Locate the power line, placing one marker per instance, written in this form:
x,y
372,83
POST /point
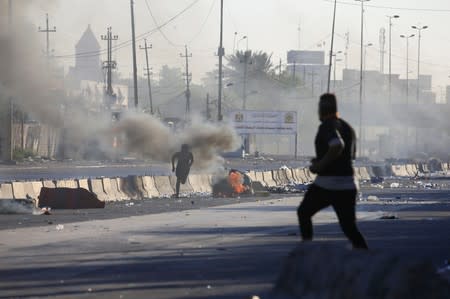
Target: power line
x,y
127,43
213,4
160,27
396,8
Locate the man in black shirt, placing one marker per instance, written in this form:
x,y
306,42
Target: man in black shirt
x,y
335,184
185,159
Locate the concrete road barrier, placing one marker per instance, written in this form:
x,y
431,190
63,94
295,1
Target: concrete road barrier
x,y
268,179
128,186
251,174
49,184
259,178
206,183
115,185
364,173
111,192
149,187
279,177
6,191
29,190
195,180
83,183
96,185
163,185
289,175
18,190
184,188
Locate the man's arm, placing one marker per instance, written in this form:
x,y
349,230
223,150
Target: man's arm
x,y
191,160
332,154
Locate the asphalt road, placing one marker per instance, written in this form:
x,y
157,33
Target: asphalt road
x,y
226,248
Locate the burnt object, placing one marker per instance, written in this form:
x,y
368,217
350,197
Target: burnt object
x,y
69,198
235,184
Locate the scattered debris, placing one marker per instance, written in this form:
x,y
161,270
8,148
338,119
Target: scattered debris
x,y
59,227
389,217
395,185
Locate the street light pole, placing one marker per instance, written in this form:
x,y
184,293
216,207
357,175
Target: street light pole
x,y
331,47
133,37
334,70
407,37
419,29
390,54
221,53
361,76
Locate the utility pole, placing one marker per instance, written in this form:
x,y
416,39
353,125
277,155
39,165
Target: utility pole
x,y
133,37
188,80
361,78
47,31
407,37
247,55
146,47
109,64
347,45
382,40
293,71
7,140
279,70
221,53
331,47
208,111
390,55
419,29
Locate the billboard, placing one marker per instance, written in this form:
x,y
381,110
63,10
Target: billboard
x,y
306,57
264,122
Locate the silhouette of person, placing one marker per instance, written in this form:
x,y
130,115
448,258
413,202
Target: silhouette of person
x,y
185,159
335,185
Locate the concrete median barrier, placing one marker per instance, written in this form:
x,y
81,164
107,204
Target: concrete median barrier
x,y
115,184
111,193
268,179
49,184
311,176
195,180
83,183
18,190
6,191
289,175
259,178
128,185
300,174
184,188
206,183
96,185
251,174
69,198
399,170
32,189
163,185
149,187
410,169
364,173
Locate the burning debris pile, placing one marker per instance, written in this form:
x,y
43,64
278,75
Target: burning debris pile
x,y
235,184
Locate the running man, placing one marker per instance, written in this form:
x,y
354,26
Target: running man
x,y
185,159
335,184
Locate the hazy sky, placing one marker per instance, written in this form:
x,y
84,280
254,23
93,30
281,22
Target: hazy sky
x,y
271,26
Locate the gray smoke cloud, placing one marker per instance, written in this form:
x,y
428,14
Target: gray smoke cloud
x,y
26,78
148,137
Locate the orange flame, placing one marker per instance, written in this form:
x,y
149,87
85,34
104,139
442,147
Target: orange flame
x,y
235,180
